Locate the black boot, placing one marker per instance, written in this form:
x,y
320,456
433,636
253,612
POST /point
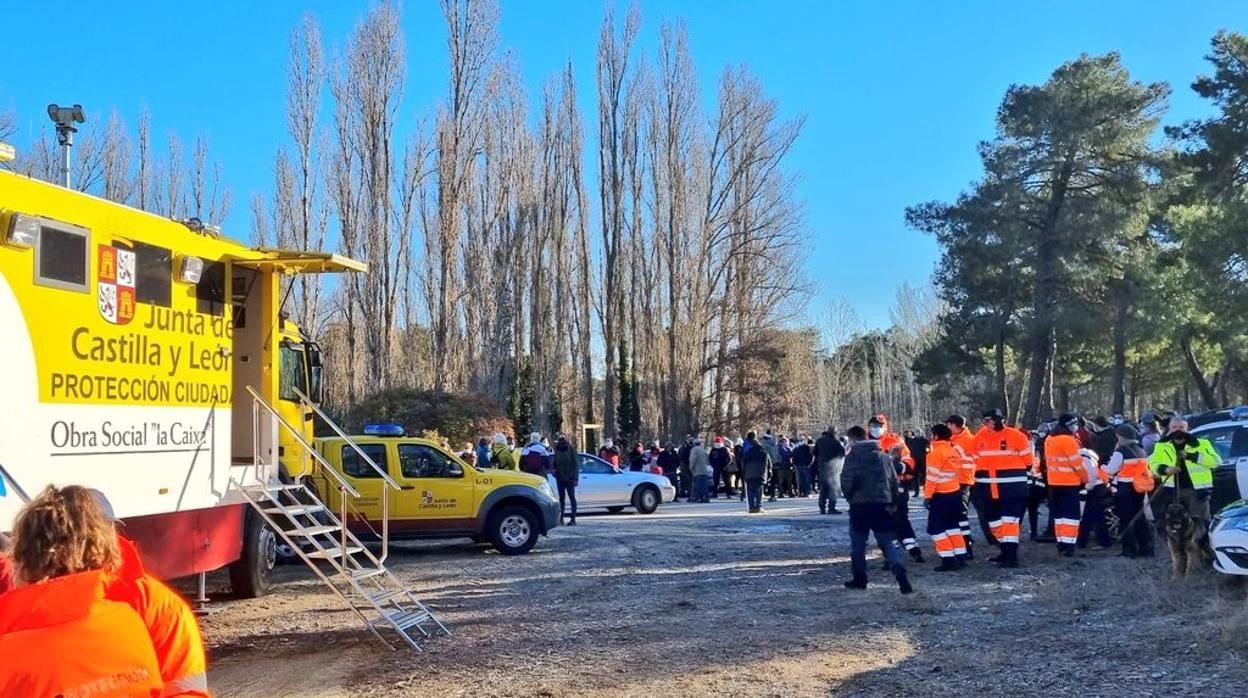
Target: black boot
x,y
948,564
970,552
916,554
903,584
856,584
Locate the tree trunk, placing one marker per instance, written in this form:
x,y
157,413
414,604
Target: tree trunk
x,y
1118,374
1003,396
1198,376
1044,320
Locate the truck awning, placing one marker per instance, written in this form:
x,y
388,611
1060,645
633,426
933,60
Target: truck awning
x,y
296,262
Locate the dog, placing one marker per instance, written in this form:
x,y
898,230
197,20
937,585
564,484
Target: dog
x,y
1188,538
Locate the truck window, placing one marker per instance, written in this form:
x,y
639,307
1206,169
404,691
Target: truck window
x,y
419,460
291,372
61,257
210,291
354,466
153,274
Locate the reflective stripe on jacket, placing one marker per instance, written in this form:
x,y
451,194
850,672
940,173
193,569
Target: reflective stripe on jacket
x,y
1063,461
965,441
944,469
1002,458
64,637
1200,458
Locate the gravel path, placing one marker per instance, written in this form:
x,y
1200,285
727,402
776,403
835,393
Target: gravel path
x,y
707,600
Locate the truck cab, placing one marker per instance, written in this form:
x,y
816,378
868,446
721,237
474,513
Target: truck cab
x,y
439,496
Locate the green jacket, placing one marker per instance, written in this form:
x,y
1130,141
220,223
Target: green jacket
x,y
506,459
1200,457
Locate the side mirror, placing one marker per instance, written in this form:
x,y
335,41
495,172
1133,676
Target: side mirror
x,y
316,372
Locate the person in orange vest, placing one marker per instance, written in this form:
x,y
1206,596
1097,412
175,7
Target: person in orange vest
x,y
895,447
60,632
1132,481
1067,476
964,441
170,624
1003,455
942,495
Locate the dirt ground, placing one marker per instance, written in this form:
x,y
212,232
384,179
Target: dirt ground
x,y
707,600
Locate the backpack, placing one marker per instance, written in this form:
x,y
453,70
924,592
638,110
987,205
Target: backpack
x,y
534,462
1144,482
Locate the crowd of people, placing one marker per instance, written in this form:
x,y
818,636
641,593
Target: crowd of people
x,y
1078,469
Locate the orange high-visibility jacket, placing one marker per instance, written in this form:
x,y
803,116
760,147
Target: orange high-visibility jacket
x,y
965,441
1001,458
170,623
887,441
63,637
944,469
1063,461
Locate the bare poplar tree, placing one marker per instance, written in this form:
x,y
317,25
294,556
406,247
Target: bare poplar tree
x,y
614,49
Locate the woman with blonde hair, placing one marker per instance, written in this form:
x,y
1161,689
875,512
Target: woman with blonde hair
x,y
59,632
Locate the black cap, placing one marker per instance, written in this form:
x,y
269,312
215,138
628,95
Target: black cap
x,y
1069,421
1127,432
994,414
956,419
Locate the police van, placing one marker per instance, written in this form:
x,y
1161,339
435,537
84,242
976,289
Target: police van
x,y
140,355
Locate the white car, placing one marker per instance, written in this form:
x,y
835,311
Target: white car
x,y
604,486
1228,532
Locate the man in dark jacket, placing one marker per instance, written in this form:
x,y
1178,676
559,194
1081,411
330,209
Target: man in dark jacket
x,y
755,463
869,482
830,456
720,457
803,456
918,445
567,475
669,461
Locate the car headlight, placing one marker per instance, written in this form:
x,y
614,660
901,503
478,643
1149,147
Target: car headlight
x,y
547,490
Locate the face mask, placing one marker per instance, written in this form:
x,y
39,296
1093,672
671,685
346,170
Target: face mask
x,y
876,431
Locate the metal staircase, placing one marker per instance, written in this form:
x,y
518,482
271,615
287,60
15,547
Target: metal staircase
x,y
322,540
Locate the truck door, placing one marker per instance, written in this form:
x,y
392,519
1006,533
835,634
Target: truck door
x,y
363,478
436,490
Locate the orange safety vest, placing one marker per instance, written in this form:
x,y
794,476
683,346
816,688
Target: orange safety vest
x,y
1062,459
1001,458
170,623
887,441
965,441
944,469
1135,473
64,637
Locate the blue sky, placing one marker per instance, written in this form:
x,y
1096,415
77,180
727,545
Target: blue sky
x,y
896,94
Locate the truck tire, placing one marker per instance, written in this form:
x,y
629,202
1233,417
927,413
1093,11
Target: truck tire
x,y
251,574
513,530
646,498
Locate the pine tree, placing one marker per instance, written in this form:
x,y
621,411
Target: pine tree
x,y
628,410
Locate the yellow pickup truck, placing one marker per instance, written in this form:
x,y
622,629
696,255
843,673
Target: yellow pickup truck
x,y
440,496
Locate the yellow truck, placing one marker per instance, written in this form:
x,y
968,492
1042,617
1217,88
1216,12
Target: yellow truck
x,y
142,356
440,495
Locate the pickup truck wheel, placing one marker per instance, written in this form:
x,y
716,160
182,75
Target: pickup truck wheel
x,y
251,574
513,530
646,498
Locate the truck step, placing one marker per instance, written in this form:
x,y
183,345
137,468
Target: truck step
x,y
310,531
297,509
367,573
383,596
405,619
334,553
